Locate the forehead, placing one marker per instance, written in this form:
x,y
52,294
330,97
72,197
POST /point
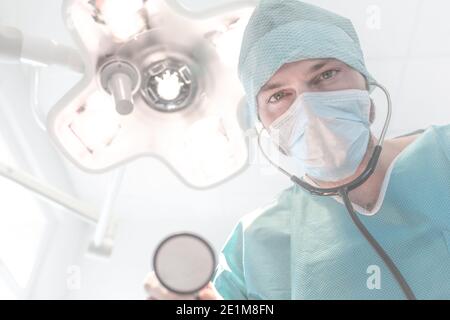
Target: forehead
x,y
303,68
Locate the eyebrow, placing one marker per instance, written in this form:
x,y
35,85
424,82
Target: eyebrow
x,y
271,86
312,69
318,66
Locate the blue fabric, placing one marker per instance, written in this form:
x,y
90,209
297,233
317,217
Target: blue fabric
x,y
326,133
306,247
283,31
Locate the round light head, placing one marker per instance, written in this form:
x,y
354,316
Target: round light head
x,y
169,85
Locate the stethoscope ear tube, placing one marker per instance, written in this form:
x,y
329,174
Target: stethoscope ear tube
x,y
376,246
369,169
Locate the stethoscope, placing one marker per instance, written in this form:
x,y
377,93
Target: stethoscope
x,y
184,263
344,189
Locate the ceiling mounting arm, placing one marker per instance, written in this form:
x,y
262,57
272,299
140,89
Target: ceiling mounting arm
x,y
16,47
82,210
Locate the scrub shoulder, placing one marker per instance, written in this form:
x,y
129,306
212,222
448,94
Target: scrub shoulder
x,y
253,235
443,133
263,235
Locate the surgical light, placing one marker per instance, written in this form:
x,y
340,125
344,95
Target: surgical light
x,y
161,89
169,85
96,124
123,18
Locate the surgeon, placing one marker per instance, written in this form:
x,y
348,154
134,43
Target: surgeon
x,y
306,82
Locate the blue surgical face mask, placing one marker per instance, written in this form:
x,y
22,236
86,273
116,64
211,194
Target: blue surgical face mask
x,y
328,132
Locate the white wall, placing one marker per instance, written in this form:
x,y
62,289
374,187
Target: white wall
x,y
409,54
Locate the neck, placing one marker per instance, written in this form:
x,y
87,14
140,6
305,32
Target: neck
x,y
367,194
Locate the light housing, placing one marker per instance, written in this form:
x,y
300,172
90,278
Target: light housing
x,y
184,110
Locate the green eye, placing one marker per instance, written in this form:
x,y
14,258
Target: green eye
x,y
277,97
328,74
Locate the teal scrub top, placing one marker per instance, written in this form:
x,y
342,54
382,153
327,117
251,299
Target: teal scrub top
x,y
303,246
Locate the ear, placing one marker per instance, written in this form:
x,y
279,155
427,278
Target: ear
x,y
372,112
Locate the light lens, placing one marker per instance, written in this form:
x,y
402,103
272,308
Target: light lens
x,y
97,123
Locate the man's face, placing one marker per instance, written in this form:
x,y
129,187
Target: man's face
x,y
314,75
295,78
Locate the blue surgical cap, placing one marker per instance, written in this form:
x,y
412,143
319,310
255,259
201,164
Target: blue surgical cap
x,y
283,31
